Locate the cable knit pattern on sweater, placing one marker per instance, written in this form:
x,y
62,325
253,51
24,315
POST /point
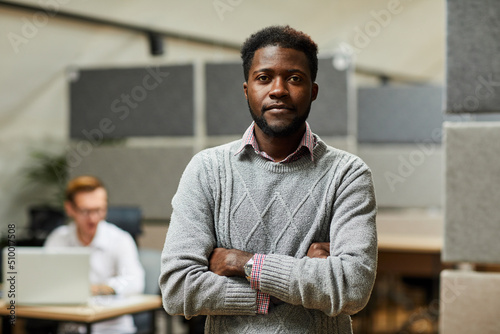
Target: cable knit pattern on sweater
x,y
246,202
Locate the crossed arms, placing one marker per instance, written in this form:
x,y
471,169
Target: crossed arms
x,y
230,262
203,261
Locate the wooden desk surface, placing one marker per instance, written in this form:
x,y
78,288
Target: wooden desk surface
x,y
409,243
90,313
410,230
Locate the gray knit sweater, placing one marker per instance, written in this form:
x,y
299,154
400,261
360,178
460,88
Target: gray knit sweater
x,y
246,202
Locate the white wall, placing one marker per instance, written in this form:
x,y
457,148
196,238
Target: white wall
x,y
397,37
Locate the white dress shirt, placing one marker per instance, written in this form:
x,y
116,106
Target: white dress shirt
x,y
114,261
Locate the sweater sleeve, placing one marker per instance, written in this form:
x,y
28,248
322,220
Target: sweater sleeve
x,y
341,283
188,287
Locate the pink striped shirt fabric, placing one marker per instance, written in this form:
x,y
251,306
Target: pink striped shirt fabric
x,y
262,298
305,147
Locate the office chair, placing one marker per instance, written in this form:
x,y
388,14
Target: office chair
x,y
128,218
150,260
42,221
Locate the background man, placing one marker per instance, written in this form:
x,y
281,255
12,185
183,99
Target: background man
x,y
274,232
114,261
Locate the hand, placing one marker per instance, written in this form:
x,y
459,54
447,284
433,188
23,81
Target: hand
x,y
101,289
319,250
228,262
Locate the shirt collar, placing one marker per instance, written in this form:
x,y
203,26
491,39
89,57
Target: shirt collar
x,y
99,240
305,147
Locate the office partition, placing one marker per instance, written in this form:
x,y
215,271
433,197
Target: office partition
x,y
110,103
472,63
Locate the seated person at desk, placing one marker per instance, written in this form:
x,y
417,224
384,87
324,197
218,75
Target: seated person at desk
x,y
114,262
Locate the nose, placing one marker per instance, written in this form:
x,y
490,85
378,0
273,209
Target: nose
x,y
278,89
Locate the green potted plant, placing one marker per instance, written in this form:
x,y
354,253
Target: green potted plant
x,y
49,172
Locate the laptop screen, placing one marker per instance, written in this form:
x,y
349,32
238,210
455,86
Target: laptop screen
x,y
46,276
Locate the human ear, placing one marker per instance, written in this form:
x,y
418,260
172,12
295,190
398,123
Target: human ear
x,y
245,89
68,207
314,91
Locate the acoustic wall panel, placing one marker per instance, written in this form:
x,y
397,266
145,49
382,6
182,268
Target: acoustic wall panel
x,y
405,176
146,101
472,210
330,112
473,65
227,109
469,302
143,176
399,114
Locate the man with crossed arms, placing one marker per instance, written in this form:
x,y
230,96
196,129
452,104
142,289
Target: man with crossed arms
x,y
274,232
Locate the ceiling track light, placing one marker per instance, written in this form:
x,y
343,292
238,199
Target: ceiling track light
x,y
155,43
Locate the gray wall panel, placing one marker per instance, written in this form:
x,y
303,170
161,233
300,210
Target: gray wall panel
x,y
399,114
226,106
469,302
329,113
473,65
147,101
472,210
147,177
405,175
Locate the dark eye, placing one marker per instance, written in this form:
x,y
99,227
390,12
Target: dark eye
x,y
295,78
263,78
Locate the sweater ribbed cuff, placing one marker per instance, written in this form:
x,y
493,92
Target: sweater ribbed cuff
x,y
241,299
275,275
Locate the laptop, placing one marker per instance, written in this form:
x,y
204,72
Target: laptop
x,y
46,276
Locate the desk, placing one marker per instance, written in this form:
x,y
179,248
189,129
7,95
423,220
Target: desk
x,y
83,314
415,230
410,242
409,247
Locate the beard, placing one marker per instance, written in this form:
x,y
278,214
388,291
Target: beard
x,y
279,131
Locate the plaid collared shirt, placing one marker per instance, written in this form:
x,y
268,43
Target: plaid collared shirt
x,y
305,147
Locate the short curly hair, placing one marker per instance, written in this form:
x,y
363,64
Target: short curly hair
x,y
282,36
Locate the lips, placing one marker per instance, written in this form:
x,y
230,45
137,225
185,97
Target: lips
x,y
277,107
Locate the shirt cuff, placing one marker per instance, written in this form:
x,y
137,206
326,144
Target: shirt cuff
x,y
258,261
263,299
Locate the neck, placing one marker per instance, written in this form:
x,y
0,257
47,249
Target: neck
x,y
85,239
278,148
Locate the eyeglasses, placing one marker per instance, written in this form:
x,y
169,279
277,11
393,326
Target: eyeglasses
x,y
89,212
